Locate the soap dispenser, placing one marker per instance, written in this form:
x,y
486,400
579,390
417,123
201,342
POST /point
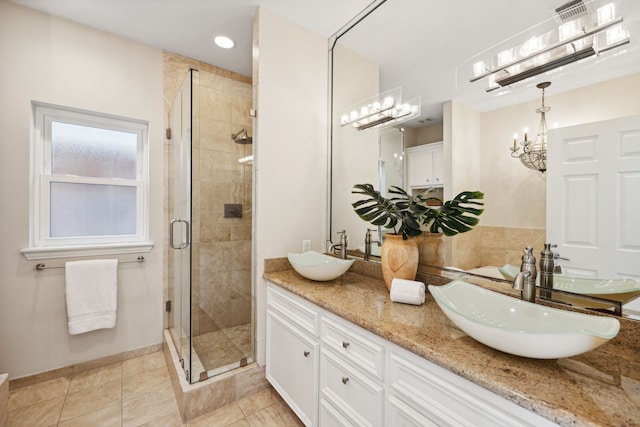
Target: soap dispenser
x,y
529,265
547,266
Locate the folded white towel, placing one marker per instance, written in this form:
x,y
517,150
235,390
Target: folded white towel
x,y
407,291
92,294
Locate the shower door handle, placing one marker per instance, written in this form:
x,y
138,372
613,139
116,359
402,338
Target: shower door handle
x,y
182,245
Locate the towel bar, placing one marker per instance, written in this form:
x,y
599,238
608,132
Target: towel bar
x,y
41,266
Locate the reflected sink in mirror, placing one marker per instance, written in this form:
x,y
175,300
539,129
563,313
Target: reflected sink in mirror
x,y
320,267
520,327
582,286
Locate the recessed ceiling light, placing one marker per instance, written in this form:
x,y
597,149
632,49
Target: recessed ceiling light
x,y
224,42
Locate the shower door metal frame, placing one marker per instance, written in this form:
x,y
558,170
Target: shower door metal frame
x,y
181,125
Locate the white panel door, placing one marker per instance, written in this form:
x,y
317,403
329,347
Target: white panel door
x,y
593,197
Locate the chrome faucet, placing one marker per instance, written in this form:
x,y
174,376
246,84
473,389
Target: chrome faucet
x,y
525,280
557,268
341,248
547,266
523,285
367,244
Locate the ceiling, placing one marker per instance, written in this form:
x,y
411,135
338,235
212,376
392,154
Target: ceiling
x,y
423,46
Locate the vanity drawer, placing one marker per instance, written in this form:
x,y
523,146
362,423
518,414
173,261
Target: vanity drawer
x,y
353,393
354,346
295,312
430,395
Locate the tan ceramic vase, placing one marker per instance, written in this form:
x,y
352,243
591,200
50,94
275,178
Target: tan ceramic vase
x,y
399,258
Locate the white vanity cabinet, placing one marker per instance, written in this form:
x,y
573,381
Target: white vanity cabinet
x,y
424,165
352,377
293,353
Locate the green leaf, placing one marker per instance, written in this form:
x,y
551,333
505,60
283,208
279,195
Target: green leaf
x,y
406,214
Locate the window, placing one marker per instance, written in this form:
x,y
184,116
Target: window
x,y
89,183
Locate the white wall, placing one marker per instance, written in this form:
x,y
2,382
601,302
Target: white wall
x,y
518,192
355,153
290,139
55,61
465,151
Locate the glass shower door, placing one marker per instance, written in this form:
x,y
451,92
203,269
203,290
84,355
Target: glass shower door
x,y
180,222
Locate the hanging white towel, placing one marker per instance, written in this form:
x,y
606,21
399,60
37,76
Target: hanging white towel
x,y
92,294
407,291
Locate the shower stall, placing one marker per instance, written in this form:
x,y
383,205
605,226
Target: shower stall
x,y
209,200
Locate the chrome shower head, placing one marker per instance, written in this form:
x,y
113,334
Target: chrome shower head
x,y
242,137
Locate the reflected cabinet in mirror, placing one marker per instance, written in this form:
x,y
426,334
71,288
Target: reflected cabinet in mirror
x,y
586,201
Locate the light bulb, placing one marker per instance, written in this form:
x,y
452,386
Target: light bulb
x,y
606,13
388,102
568,30
615,34
478,68
505,57
534,44
224,42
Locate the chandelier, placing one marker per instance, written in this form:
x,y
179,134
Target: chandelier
x,y
534,153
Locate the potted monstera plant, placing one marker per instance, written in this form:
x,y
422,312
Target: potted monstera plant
x,y
406,215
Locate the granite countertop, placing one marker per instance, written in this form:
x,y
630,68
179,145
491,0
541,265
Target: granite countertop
x,y
597,388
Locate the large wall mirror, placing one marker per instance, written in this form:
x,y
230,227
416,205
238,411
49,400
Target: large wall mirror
x,y
430,51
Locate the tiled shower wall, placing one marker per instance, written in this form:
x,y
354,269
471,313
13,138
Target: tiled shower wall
x,y
221,247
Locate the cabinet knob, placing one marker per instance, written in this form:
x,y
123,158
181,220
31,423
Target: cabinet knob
x,y
345,380
427,179
437,179
306,354
345,344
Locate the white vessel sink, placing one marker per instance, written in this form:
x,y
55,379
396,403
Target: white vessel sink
x,y
581,285
520,327
595,286
509,271
316,266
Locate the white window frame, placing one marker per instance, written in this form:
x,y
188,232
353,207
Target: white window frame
x,y
42,245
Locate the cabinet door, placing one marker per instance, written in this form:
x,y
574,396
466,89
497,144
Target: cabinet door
x,y
292,366
419,164
437,162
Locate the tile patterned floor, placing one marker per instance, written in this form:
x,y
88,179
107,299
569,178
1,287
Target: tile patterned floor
x,y
223,347
135,392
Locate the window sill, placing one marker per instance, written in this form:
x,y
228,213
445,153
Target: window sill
x,y
32,254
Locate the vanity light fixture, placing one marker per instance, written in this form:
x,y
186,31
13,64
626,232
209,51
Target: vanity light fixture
x,y
224,42
382,110
534,153
582,32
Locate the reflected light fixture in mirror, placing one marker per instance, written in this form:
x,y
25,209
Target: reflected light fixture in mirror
x,y
534,153
580,30
382,110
